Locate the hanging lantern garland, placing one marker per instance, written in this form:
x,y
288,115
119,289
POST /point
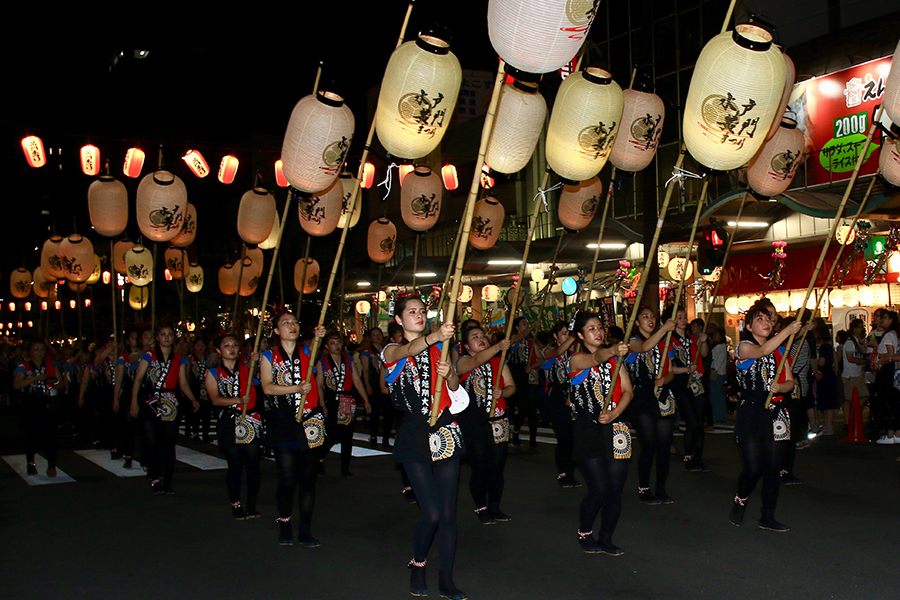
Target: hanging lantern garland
x,y
624,275
776,277
860,241
891,243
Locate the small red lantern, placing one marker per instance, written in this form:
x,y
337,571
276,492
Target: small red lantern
x,y
134,162
30,324
12,306
196,163
72,304
451,179
487,181
280,179
90,160
28,306
368,176
34,151
44,305
168,275
107,277
57,305
87,302
228,168
404,170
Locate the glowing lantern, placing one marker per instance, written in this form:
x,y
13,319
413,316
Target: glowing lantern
x,y
77,257
134,162
311,283
889,161
569,286
662,259
731,306
363,307
404,171
34,151
465,294
790,73
774,166
892,90
51,258
30,324
348,182
188,232
381,240
161,203
486,223
734,96
90,160
138,297
174,258
319,215
139,265
12,306
539,37
256,259
894,262
450,177
837,298
20,283
96,272
584,124
43,288
744,303
537,275
418,96
714,276
680,265
28,307
487,182
881,295
120,250
272,238
196,163
517,127
249,278
316,141
420,199
642,123
368,176
490,293
228,280
194,282
866,296
44,306
578,203
107,277
57,305
228,168
72,304
108,206
279,174
255,215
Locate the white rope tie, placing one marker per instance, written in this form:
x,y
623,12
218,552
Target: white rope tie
x,y
387,181
543,194
679,175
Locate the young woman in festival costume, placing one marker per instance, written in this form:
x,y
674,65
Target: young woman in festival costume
x,y
136,343
295,425
429,454
238,437
96,395
36,377
762,433
557,407
523,404
195,365
336,379
653,408
686,353
486,435
153,402
602,444
373,377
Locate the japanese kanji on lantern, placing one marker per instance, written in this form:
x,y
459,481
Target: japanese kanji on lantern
x,y
120,249
139,265
418,95
310,283
578,203
174,258
642,123
889,161
486,223
521,112
255,215
20,283
773,168
108,206
348,182
382,240
319,214
77,257
420,199
194,281
51,258
161,202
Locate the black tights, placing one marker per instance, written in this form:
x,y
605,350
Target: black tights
x,y
655,435
527,408
435,486
762,457
158,448
799,431
41,424
240,457
605,478
381,406
691,408
562,428
296,466
487,462
339,434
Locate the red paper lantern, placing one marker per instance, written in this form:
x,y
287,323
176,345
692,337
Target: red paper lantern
x,y
28,307
134,162
107,277
43,306
319,215
450,177
196,163
368,176
404,171
382,240
487,182
90,159
280,179
578,203
87,302
33,148
486,223
228,168
72,304
57,305
420,199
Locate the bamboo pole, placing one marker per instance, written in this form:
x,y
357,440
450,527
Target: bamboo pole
x,y
552,277
456,242
609,200
837,217
416,260
153,310
467,224
237,296
303,276
715,293
112,284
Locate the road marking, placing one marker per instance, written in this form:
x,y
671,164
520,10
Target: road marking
x,y
102,460
19,465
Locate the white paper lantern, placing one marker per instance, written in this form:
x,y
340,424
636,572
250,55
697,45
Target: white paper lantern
x,y
731,306
539,37
518,123
584,124
319,214
734,97
120,249
891,96
662,259
465,294
229,279
43,287
490,293
418,96
744,303
188,232
77,257
889,161
194,282
309,280
108,206
161,202
255,215
249,277
796,300
139,265
866,296
774,166
790,73
578,203
272,240
96,272
680,265
20,283
642,123
138,297
316,141
420,199
51,258
363,307
382,240
348,181
836,298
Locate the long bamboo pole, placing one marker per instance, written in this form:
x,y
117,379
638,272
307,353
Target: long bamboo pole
x,y
467,224
456,242
237,297
728,246
112,284
837,217
303,275
153,310
354,194
609,200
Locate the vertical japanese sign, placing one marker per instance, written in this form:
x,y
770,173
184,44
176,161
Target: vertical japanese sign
x,y
834,112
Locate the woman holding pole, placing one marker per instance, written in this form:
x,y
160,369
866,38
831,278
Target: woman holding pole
x,y
557,408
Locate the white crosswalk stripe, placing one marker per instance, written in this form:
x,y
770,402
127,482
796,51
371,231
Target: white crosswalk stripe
x,y
101,459
20,466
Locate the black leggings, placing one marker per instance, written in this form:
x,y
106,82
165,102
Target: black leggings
x,y
158,448
762,457
605,478
562,428
240,457
435,486
381,406
655,435
487,462
198,422
41,424
296,466
527,408
339,434
691,409
799,431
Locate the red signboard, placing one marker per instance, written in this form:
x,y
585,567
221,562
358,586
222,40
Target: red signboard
x,y
835,112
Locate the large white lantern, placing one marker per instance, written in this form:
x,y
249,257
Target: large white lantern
x,y
774,166
642,123
194,281
348,182
108,206
578,203
319,214
255,215
889,161
518,123
272,240
734,97
20,283
790,73
539,37
139,265
891,97
316,141
418,95
188,231
161,202
584,124
77,257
